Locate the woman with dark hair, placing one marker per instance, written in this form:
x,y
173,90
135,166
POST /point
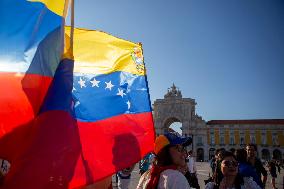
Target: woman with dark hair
x,y
167,171
231,179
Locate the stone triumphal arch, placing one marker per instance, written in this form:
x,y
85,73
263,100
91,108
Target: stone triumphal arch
x,y
174,108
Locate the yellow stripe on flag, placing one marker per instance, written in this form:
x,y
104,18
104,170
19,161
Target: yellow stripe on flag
x,y
100,53
56,6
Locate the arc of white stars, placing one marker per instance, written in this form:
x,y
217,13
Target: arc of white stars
x,y
95,83
128,104
109,85
82,83
120,93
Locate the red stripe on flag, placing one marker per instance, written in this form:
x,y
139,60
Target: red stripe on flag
x,y
111,145
21,96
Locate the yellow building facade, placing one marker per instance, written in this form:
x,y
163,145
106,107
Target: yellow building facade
x,y
267,134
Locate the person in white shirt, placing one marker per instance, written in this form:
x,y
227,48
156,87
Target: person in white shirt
x,y
124,177
165,172
191,174
191,163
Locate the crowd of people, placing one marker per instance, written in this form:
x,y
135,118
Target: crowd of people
x,y
171,166
241,168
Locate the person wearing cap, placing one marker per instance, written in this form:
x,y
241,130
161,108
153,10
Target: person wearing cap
x,y
170,158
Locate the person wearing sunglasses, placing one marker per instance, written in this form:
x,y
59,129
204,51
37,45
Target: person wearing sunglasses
x,y
231,178
167,171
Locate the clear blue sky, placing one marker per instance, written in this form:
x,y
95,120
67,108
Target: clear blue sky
x,y
226,54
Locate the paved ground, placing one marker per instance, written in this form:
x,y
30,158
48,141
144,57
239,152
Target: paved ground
x,y
203,173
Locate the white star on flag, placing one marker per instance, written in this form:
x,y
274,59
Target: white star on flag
x,y
95,83
128,104
120,93
109,85
73,89
77,104
82,83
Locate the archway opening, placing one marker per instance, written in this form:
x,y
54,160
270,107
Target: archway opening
x,y
176,126
173,124
277,154
265,154
200,155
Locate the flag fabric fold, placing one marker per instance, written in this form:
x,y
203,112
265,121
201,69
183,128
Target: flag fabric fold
x,y
30,51
31,47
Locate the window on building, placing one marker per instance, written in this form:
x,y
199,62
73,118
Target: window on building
x,y
263,137
222,136
232,140
212,140
274,139
199,140
212,137
242,140
232,137
252,139
222,140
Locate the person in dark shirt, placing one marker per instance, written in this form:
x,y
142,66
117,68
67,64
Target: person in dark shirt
x,y
245,169
256,163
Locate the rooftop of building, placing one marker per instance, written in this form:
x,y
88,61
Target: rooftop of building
x,y
248,121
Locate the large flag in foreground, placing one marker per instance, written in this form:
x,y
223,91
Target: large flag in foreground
x,y
68,124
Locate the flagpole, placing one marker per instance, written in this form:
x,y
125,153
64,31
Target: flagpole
x,y
66,5
72,27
